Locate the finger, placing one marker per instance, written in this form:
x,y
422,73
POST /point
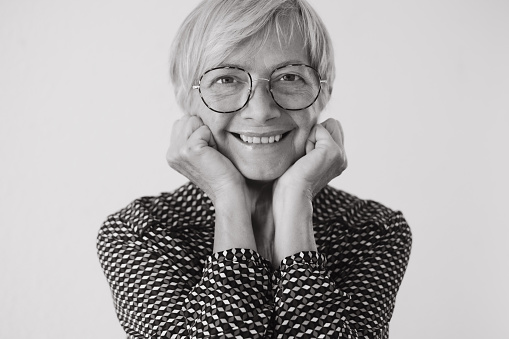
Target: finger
x,y
335,130
178,126
192,124
176,143
182,129
175,136
323,137
310,142
335,150
202,137
318,137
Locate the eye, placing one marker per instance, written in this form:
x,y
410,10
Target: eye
x,y
225,80
289,77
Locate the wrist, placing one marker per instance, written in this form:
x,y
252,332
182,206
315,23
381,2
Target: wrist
x,y
294,207
285,192
224,193
231,202
233,228
293,218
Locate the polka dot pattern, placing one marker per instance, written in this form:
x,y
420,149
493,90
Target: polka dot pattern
x,y
166,283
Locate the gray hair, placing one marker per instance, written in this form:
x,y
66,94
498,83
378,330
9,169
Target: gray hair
x,y
215,27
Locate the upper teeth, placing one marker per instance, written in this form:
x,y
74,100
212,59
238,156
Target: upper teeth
x,y
261,140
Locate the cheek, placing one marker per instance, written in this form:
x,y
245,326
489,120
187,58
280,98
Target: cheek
x,y
217,125
214,121
211,119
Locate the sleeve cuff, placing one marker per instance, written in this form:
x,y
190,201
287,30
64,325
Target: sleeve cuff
x,y
238,255
311,259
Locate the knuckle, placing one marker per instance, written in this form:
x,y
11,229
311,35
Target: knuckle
x,y
200,129
184,152
193,149
194,121
179,122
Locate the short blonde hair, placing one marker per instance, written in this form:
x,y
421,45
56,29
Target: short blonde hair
x,y
215,27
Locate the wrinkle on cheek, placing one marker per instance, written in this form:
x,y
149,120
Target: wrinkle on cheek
x,y
225,148
222,137
306,120
215,122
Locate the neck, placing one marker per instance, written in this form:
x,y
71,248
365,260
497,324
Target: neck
x,y
260,197
259,192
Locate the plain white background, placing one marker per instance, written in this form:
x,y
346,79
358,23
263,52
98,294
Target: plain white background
x,y
86,109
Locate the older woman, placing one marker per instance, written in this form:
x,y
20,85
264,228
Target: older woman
x,y
256,245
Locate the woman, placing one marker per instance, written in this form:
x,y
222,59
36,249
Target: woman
x,y
257,245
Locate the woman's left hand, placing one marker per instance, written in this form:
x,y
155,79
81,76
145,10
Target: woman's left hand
x,y
293,192
325,159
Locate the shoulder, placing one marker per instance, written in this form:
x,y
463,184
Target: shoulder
x,y
334,206
187,206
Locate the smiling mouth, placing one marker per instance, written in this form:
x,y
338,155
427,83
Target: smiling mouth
x,y
261,140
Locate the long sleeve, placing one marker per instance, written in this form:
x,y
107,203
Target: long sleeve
x,y
312,301
307,302
147,286
374,271
166,284
165,281
233,298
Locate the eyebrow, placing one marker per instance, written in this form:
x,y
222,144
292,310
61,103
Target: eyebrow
x,y
284,63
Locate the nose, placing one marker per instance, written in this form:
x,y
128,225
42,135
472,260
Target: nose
x,y
261,107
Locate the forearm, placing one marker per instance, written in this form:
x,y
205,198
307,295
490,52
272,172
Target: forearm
x,y
233,228
293,212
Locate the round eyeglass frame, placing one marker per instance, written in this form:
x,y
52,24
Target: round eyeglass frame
x,y
198,87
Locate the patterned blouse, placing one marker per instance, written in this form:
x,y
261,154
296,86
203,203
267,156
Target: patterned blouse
x,y
166,283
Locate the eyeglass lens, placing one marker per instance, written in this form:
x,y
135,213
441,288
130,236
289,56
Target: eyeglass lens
x,y
227,89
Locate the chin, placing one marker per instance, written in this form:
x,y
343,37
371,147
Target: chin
x,y
261,173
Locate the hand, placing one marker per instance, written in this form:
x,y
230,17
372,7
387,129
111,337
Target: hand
x,y
325,159
193,153
293,192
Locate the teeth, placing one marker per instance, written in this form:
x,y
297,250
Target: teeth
x,y
261,140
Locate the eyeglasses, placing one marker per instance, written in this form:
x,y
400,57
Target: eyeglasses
x,y
228,89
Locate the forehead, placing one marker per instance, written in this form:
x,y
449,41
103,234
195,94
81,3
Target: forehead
x,y
262,54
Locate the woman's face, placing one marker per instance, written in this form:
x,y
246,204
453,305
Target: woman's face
x,y
262,117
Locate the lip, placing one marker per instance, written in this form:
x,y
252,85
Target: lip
x,y
286,136
261,134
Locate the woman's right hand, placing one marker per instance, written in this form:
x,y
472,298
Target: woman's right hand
x,y
193,153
